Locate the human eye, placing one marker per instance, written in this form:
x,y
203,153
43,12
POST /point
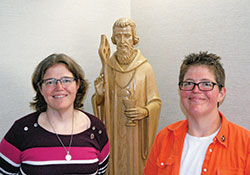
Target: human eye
x,y
206,84
187,84
67,80
49,82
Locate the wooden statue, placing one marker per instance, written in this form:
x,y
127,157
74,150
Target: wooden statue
x,y
126,100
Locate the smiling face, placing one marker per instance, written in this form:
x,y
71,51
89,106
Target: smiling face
x,y
59,97
201,103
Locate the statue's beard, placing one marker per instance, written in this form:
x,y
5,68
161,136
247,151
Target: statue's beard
x,y
125,54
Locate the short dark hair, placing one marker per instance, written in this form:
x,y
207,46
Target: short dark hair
x,y
38,103
204,58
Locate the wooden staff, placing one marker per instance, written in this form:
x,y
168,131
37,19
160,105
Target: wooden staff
x,y
104,53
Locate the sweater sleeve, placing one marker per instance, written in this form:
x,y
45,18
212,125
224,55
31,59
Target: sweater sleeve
x,y
104,150
10,154
103,159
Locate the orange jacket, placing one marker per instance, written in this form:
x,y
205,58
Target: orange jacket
x,y
228,154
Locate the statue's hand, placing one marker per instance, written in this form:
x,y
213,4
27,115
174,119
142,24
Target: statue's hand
x,y
99,89
137,113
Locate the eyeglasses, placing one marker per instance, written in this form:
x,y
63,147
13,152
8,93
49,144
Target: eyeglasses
x,y
203,86
52,82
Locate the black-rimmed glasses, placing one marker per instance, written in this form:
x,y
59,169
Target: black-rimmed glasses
x,y
203,86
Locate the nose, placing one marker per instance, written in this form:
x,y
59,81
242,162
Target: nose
x,y
196,88
59,84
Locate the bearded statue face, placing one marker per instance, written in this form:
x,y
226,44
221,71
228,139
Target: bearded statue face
x,y
124,44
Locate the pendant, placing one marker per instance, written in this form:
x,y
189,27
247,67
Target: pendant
x,y
68,156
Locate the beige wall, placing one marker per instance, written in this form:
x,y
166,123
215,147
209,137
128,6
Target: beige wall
x,y
30,30
168,30
171,29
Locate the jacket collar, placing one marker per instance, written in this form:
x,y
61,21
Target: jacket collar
x,y
222,136
179,130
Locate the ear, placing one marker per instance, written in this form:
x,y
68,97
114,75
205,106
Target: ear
x,y
222,94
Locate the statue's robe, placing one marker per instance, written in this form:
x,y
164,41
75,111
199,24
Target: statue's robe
x,y
131,145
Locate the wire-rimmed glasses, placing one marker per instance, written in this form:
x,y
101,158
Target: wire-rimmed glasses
x,y
52,82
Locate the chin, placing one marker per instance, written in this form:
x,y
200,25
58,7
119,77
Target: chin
x,y
196,112
62,107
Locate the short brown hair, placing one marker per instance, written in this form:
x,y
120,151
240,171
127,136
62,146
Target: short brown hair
x,y
38,102
212,61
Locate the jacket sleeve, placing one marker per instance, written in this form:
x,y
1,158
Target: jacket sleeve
x,y
247,170
151,165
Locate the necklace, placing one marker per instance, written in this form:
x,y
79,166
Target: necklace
x,y
68,157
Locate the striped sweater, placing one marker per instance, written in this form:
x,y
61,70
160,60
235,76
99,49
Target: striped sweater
x,y
29,149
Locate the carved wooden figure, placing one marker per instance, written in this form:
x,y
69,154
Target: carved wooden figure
x,y
126,100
